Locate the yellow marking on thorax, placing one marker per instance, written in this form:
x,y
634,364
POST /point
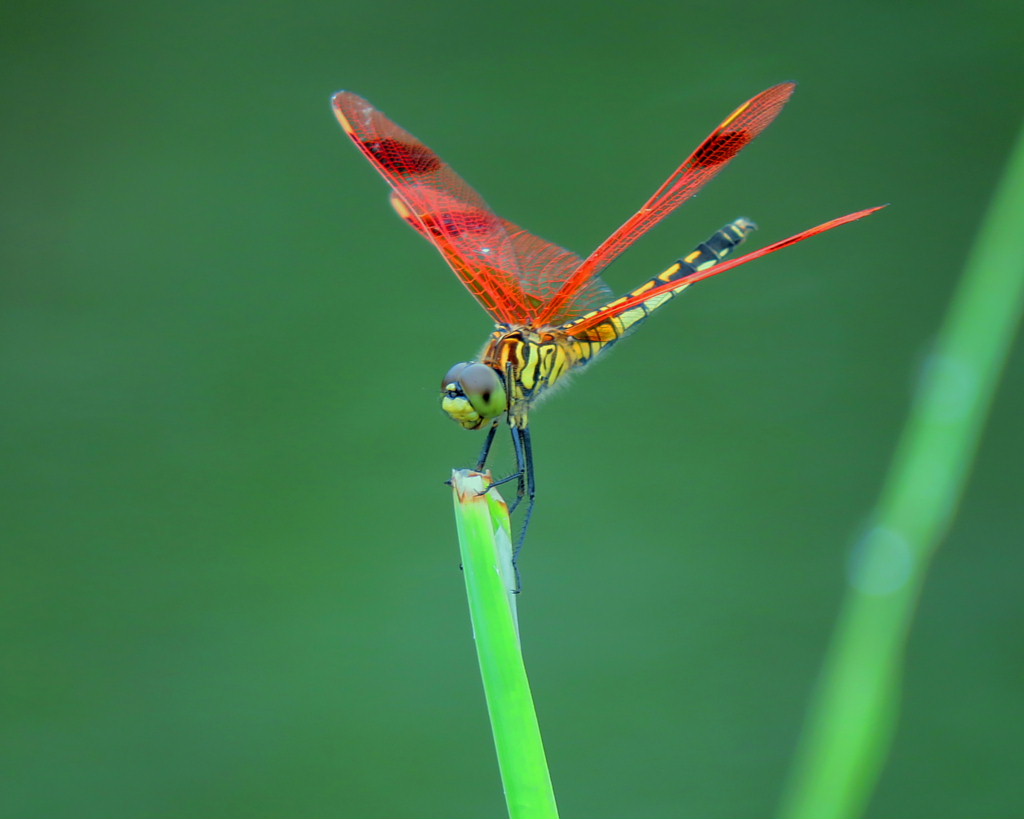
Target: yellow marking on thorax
x,y
536,360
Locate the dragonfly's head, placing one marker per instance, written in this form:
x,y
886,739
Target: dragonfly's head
x,y
472,394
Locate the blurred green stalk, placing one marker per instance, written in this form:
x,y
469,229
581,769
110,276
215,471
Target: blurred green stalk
x,y
853,715
485,544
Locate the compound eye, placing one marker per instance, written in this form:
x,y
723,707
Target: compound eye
x,y
452,376
484,389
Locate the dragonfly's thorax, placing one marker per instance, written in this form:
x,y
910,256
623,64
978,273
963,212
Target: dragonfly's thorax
x,y
530,361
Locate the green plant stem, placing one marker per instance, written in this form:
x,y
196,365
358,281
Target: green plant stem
x,y
485,544
852,718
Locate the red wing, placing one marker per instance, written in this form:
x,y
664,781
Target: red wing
x,y
543,266
713,154
442,207
679,284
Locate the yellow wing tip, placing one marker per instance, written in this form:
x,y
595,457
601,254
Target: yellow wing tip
x,y
337,101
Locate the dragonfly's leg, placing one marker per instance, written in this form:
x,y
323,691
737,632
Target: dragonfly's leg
x,y
531,491
487,446
526,448
517,443
482,460
519,475
524,489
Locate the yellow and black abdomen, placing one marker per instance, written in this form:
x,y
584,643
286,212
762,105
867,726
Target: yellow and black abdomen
x,y
598,337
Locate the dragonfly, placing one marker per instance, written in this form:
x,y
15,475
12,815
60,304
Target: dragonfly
x,y
553,313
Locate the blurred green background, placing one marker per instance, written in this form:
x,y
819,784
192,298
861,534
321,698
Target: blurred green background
x,y
220,357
